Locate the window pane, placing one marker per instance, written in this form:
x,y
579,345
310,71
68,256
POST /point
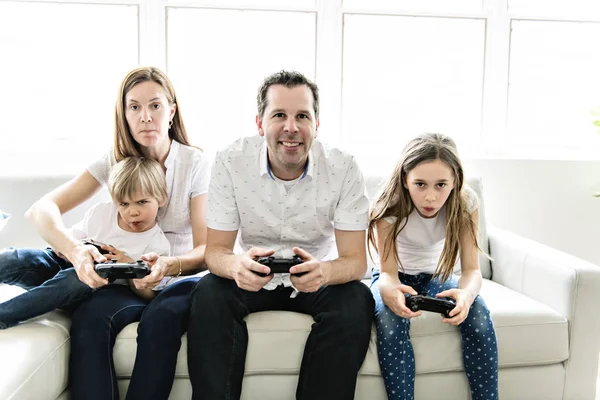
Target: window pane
x,y
590,8
63,64
554,82
252,3
404,76
417,5
218,58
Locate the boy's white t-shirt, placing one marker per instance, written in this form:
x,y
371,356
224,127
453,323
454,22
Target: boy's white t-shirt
x,y
421,241
101,223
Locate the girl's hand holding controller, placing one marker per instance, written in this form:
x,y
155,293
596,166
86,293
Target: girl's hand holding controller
x,y
393,296
464,299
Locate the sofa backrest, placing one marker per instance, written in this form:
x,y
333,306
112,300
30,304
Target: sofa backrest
x,y
374,185
17,194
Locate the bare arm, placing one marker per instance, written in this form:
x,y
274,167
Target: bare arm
x,y
222,262
391,289
45,214
191,262
389,266
470,281
350,265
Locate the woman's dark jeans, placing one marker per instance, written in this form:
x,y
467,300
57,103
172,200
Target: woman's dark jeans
x,y
96,324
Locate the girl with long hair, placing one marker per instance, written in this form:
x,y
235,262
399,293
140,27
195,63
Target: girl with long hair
x,y
425,219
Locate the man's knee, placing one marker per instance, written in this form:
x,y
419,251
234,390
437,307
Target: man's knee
x,y
212,288
355,305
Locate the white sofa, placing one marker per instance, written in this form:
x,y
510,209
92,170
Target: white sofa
x,y
543,303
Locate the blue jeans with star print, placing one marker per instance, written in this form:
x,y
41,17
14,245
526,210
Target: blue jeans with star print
x,y
396,357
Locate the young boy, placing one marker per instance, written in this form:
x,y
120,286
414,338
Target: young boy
x,y
127,225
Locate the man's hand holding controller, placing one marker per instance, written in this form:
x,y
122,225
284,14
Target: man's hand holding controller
x,y
244,269
311,275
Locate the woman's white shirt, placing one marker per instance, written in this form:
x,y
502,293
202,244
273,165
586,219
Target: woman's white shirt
x,y
187,176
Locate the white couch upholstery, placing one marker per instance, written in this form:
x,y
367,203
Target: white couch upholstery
x,y
543,303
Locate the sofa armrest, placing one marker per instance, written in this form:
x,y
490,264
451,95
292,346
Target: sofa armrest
x,y
565,283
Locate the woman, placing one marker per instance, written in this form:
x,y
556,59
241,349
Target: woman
x,y
148,123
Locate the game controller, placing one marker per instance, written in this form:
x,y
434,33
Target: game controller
x,y
420,302
280,265
96,244
112,270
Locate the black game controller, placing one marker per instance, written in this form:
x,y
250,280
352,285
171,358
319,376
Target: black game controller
x,y
97,245
420,302
115,270
280,265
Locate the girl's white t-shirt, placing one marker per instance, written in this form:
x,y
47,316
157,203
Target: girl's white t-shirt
x,y
421,242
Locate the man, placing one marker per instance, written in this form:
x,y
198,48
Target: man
x,y
285,194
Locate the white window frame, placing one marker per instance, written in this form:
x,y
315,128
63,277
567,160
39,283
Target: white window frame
x,y
330,14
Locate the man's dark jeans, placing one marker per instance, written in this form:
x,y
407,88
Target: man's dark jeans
x,y
333,354
50,280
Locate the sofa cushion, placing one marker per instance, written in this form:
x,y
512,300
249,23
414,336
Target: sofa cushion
x,y
529,333
35,354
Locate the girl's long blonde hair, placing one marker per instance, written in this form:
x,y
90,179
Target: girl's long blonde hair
x,y
124,144
395,200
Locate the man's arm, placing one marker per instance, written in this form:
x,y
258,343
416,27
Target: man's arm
x,y
222,262
351,264
219,252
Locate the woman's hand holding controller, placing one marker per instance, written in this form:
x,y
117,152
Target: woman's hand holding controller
x,y
83,257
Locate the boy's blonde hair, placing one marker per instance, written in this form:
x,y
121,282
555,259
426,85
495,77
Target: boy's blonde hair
x,y
395,200
134,175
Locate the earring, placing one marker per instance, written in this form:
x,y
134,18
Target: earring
x,y
170,123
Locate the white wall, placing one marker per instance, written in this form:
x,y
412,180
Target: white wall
x,y
548,201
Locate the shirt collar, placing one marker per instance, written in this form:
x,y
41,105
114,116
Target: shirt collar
x,y
265,167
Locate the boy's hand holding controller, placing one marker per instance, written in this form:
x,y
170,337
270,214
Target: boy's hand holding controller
x,y
464,299
244,267
393,295
315,273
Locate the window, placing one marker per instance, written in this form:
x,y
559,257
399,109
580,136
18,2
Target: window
x,y
508,78
61,70
218,58
406,75
554,82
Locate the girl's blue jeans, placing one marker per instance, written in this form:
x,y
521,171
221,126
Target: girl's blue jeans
x,y
394,347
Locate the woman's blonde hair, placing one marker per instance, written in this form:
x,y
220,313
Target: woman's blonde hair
x,y
395,200
124,143
134,175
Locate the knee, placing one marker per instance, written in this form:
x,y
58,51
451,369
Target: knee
x,y
213,294
479,321
390,325
72,282
356,306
